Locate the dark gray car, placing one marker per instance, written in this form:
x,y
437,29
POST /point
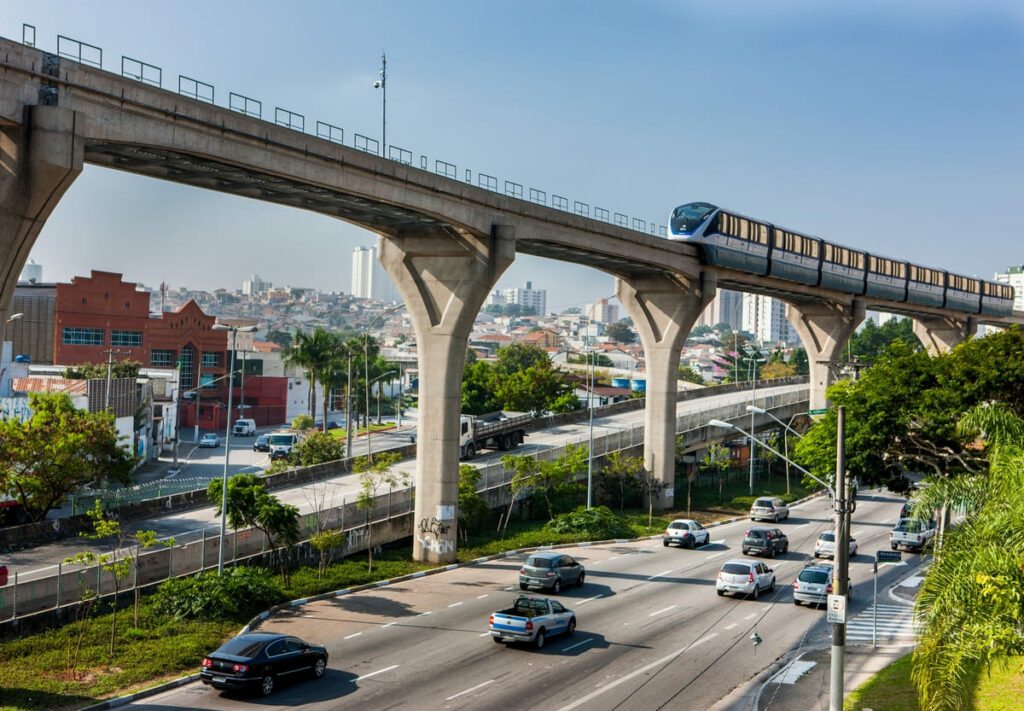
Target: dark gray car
x,y
550,570
762,540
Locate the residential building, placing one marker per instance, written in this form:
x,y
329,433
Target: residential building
x,y
369,278
603,311
536,299
726,307
765,318
255,286
1014,276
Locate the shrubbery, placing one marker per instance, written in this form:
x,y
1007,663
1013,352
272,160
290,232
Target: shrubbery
x,y
599,523
209,596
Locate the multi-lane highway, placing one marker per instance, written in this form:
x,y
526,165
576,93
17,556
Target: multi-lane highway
x,y
652,632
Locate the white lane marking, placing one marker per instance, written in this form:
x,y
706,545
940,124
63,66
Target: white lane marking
x,y
481,597
729,627
379,671
660,575
751,616
455,604
802,525
469,691
642,670
424,614
353,635
581,602
588,640
718,540
508,588
486,634
670,607
719,554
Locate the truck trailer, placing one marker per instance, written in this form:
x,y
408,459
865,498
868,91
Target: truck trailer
x,y
495,430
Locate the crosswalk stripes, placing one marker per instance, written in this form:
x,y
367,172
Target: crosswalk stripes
x,y
895,625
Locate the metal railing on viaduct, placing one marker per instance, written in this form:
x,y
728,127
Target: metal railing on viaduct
x,y
51,592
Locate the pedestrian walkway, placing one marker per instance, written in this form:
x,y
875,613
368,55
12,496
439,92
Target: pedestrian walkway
x,y
894,625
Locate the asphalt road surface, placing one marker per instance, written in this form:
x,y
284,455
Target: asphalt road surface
x,y
652,632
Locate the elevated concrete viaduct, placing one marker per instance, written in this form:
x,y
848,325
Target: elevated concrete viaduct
x,y
445,243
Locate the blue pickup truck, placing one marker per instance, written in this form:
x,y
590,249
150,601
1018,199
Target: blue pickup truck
x,y
532,619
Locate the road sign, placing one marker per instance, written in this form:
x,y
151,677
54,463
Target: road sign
x,y
837,609
817,412
888,556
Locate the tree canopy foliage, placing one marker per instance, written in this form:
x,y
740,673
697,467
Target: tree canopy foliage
x,y
87,371
871,341
620,331
902,413
56,451
522,379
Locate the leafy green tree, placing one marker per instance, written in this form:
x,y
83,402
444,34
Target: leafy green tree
x,y
651,486
699,331
302,423
532,475
598,359
798,359
619,478
871,341
119,563
741,364
472,507
326,543
620,331
281,338
689,375
971,604
372,476
478,396
777,370
716,459
250,505
319,447
87,371
56,451
517,357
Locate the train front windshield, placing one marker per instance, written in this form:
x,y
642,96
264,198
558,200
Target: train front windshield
x,y
687,218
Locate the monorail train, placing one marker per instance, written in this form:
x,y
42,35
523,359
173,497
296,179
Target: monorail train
x,y
729,239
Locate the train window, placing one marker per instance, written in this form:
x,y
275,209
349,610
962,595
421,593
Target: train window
x,y
925,275
793,242
887,267
962,283
846,257
743,228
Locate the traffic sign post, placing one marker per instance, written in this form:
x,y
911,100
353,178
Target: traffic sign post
x,y
837,609
881,557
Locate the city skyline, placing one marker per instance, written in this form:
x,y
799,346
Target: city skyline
x,y
862,124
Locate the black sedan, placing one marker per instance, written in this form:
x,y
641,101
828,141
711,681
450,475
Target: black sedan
x,y
261,444
257,661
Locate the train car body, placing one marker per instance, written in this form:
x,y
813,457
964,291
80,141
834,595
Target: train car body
x,y
734,241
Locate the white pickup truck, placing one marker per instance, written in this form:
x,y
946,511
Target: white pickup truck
x,y
911,533
532,619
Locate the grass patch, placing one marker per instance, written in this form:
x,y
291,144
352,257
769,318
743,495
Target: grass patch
x,y
892,690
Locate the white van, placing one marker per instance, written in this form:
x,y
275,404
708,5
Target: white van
x,y
244,428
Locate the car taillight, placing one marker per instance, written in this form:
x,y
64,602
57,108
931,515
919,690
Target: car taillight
x,y
768,536
771,510
750,578
492,620
522,571
240,668
796,584
719,574
550,574
207,662
529,626
686,534
828,589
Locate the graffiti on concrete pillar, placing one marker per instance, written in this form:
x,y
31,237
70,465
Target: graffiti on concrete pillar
x,y
433,536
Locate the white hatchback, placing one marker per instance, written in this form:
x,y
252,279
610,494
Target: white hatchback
x,y
686,533
825,546
745,577
769,508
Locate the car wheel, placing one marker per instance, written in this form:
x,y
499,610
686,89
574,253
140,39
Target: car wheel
x,y
757,591
580,580
894,546
571,628
720,592
771,551
796,602
691,543
267,685
771,588
665,543
538,641
557,587
523,586
319,667
815,554
785,548
497,640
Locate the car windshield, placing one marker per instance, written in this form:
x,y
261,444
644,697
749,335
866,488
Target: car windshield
x,y
687,218
830,537
763,503
736,568
754,533
677,524
281,439
909,526
538,562
813,576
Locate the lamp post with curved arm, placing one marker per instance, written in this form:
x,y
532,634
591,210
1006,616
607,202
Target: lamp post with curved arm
x,y
785,433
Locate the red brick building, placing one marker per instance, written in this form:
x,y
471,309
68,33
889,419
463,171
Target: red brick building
x,y
100,314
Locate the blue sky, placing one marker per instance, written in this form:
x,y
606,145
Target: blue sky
x,y
891,127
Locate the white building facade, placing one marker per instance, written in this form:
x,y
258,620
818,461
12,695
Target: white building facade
x,y
765,318
1014,276
369,279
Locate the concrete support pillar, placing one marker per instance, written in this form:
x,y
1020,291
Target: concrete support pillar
x,y
444,278
663,310
39,159
825,329
940,334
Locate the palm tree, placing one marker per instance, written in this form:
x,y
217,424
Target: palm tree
x,y
316,353
300,355
971,605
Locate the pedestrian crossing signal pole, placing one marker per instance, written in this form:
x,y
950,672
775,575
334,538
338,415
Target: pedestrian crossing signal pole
x,y
880,557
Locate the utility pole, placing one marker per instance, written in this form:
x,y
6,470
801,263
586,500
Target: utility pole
x,y
841,572
348,407
110,369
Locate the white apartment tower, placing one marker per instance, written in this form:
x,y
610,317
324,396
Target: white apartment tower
x,y
603,311
765,318
254,286
369,280
726,307
537,299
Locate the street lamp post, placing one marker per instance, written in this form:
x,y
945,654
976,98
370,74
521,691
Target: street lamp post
x,y
753,397
382,84
590,406
227,440
785,433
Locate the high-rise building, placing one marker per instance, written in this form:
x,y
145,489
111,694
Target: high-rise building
x,y
726,307
369,279
603,311
1014,276
32,273
765,318
536,299
254,286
